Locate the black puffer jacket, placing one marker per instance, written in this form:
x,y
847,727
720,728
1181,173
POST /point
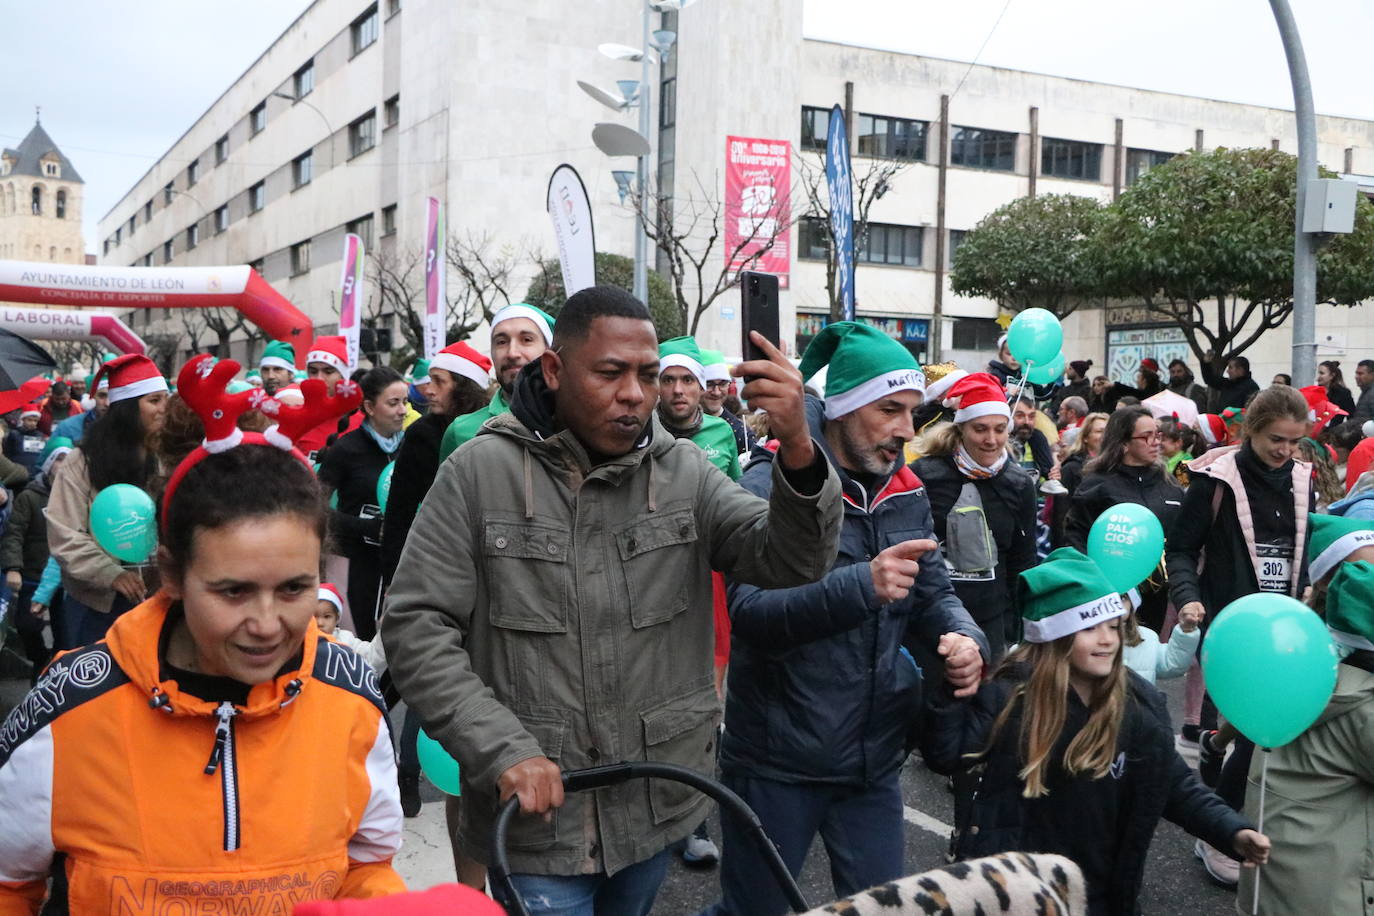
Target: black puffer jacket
x,y
1227,391
417,462
1105,825
1152,488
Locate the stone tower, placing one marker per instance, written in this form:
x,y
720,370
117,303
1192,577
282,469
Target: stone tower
x,y
40,203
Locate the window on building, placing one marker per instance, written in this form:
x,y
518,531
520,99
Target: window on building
x,y
192,236
956,238
192,173
221,219
51,170
976,334
887,244
119,236
362,134
667,103
168,251
364,29
61,204
221,149
389,220
36,201
891,138
1140,161
300,258
148,259
813,239
303,81
815,124
392,111
148,211
1071,159
392,8
133,223
257,119
257,197
167,191
301,169
976,148
362,228
105,247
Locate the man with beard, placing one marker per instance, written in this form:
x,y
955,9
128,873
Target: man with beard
x,y
1029,446
75,427
717,391
1181,381
681,384
519,334
277,366
822,698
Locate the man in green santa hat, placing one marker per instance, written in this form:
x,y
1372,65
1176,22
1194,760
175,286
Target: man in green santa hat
x,y
718,383
681,384
277,366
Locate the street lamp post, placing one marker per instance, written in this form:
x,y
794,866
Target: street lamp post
x,y
641,276
329,130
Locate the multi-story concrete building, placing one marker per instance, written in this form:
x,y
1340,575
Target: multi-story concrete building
x,y
360,110
40,202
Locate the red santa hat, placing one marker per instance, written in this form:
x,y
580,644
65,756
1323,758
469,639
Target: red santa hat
x,y
1150,364
977,395
1320,410
131,376
331,350
1213,429
330,592
461,359
31,411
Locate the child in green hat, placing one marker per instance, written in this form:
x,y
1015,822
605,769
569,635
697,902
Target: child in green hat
x,y
1077,753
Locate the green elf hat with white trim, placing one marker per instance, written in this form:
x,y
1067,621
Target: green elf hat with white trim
x,y
419,373
865,365
717,369
684,352
1350,605
278,354
1331,539
542,319
1065,594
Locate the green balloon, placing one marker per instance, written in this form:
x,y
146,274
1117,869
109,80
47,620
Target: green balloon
x,y
1035,336
1270,666
384,485
1126,542
438,766
124,522
1043,375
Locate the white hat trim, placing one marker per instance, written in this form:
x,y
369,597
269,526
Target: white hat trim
x,y
936,390
31,412
456,364
329,359
982,409
879,386
718,372
1337,551
53,455
1071,620
686,362
520,310
137,389
275,362
325,594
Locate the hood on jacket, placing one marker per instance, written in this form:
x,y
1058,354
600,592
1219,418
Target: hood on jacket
x,y
1354,688
135,641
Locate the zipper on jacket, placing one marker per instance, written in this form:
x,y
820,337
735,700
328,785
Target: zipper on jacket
x,y
223,757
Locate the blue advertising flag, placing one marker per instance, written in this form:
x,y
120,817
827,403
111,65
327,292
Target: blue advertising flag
x,y
839,180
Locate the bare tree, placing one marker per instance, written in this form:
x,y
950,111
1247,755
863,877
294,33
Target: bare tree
x,y
162,349
872,185
194,327
69,354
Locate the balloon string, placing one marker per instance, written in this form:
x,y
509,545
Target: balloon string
x,y
1264,778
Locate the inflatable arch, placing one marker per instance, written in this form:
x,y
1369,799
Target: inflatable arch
x,y
239,288
71,324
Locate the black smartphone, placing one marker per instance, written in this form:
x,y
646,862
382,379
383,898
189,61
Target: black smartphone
x,y
758,311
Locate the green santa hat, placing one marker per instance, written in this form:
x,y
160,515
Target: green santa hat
x,y
1350,605
717,369
419,373
684,352
1333,538
865,365
278,354
1065,594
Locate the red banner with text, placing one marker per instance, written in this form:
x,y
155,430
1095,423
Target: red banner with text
x,y
758,205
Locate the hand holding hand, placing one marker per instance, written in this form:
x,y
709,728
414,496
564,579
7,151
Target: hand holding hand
x,y
537,781
894,570
1252,846
776,387
39,611
963,663
1191,615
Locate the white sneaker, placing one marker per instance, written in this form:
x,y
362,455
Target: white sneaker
x,y
1223,869
700,851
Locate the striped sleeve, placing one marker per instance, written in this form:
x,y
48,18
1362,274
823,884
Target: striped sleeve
x,y
378,836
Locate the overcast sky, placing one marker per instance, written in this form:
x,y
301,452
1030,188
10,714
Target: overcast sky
x,y
122,81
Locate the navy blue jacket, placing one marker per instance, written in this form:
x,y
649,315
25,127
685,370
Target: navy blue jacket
x,y
820,689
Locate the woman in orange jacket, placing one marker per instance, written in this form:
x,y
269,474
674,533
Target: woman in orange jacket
x,y
215,752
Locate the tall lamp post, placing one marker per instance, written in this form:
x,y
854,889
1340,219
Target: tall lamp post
x,y
329,130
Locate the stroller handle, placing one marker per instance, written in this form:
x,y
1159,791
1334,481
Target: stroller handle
x,y
613,775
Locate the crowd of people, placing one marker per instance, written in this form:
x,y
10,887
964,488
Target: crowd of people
x,y
586,545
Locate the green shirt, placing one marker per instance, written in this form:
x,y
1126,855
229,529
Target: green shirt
x,y
717,439
466,426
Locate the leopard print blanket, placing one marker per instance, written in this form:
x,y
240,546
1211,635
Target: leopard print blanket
x,y
1013,883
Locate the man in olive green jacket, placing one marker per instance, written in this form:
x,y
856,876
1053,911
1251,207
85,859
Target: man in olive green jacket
x,y
542,616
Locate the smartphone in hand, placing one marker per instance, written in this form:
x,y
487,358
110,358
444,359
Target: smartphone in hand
x,y
758,311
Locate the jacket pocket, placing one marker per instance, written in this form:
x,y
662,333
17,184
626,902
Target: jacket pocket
x,y
684,732
531,833
657,555
527,566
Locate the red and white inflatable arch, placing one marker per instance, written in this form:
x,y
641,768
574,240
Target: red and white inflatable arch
x,y
71,324
239,288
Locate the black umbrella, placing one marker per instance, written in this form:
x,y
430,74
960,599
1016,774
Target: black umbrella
x,y
20,360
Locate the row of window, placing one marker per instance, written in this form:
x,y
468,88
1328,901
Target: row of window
x,y
881,243
9,204
13,249
883,137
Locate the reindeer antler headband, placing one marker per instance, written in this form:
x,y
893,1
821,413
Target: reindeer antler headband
x,y
202,383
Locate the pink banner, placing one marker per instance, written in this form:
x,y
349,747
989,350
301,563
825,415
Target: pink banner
x,y
758,205
350,294
434,277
